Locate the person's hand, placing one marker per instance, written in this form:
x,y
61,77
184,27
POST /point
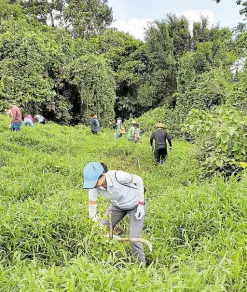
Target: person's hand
x,y
10,126
95,218
152,148
140,212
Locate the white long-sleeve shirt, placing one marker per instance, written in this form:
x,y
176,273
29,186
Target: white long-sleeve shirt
x,y
124,190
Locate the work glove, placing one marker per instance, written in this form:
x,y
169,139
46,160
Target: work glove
x,y
10,126
140,212
92,212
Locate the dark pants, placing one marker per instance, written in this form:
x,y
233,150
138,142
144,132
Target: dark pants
x,y
160,155
135,228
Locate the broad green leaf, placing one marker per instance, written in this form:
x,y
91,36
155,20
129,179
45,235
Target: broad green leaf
x,y
218,135
243,164
231,130
219,162
225,138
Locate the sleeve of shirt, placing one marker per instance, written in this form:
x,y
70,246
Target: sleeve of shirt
x,y
152,139
127,178
169,139
92,195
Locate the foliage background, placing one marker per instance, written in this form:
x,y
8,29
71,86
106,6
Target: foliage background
x,y
60,60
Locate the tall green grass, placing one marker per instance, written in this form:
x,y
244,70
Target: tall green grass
x,y
198,228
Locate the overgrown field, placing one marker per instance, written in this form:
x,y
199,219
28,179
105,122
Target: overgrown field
x,y
198,228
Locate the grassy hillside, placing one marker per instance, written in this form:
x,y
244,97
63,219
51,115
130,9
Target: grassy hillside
x,y
198,228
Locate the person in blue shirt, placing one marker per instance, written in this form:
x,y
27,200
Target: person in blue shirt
x,y
93,124
125,191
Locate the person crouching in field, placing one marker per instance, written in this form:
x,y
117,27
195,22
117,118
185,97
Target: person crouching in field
x,y
28,120
126,194
40,119
15,123
160,136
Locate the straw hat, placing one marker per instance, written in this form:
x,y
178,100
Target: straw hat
x,y
160,125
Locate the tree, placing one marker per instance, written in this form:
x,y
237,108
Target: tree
x,y
128,60
160,50
83,18
45,11
94,85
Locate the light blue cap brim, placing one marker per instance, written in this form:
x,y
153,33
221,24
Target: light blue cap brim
x,y
89,184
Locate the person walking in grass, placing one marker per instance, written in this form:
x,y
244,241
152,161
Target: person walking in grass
x,y
15,123
131,132
120,129
97,123
93,124
125,191
137,133
160,137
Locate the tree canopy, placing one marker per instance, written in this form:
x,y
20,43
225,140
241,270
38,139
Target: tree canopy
x,y
73,65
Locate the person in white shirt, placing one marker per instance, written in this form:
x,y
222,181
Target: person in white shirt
x,y
126,194
40,119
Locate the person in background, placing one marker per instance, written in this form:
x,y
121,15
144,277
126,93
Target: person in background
x,y
131,132
120,130
126,194
93,124
15,123
137,133
97,124
40,119
28,120
160,136
90,120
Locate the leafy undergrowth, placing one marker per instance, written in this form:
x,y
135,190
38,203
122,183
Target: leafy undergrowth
x,y
198,228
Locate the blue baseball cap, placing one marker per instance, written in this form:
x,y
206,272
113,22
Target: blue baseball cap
x,y
91,173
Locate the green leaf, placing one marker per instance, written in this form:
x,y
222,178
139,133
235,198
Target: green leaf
x,y
231,130
225,138
219,162
218,134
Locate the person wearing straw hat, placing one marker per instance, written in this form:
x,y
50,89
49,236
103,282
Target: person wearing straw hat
x,y
131,132
126,194
160,136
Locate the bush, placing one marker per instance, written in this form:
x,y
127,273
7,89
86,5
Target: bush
x,y
220,136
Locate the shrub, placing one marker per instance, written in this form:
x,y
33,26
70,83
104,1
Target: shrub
x,y
220,136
